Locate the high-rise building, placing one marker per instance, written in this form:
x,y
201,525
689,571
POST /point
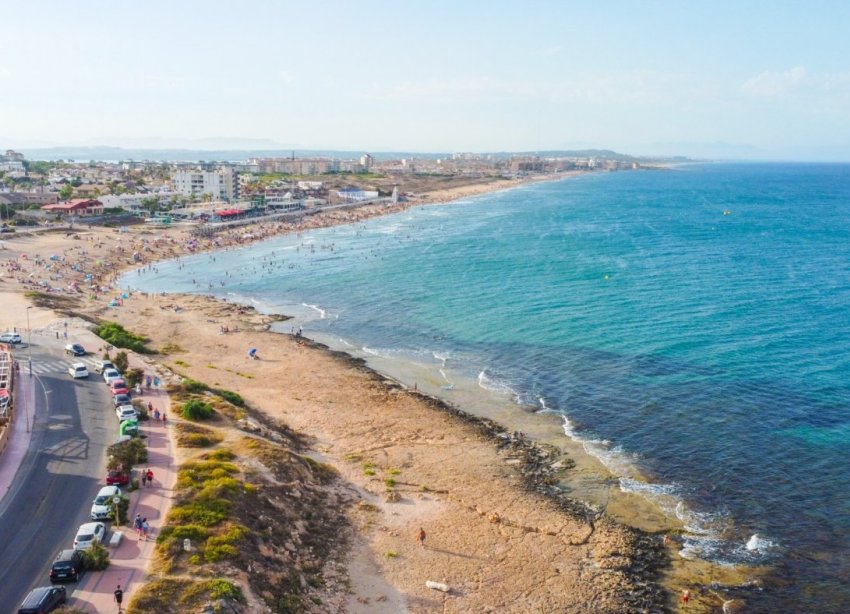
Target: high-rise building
x,y
221,184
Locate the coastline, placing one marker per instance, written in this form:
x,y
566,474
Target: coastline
x,y
163,321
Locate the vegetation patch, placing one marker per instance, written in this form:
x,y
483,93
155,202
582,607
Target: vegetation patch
x,y
126,454
196,409
115,334
171,348
195,436
179,595
96,558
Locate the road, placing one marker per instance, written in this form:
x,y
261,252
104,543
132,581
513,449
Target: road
x,y
60,473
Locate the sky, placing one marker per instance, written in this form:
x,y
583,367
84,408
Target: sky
x,y
768,80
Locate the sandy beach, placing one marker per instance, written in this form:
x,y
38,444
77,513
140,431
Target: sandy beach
x,y
497,533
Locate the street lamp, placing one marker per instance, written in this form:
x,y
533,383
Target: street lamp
x,y
29,351
29,339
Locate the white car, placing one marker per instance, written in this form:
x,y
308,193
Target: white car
x,y
126,412
78,370
102,365
101,505
88,534
111,374
10,338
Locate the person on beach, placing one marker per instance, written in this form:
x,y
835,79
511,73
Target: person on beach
x,y
421,537
686,596
118,594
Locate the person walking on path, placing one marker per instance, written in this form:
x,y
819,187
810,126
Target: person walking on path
x,y
149,475
144,478
421,538
145,528
148,381
137,524
119,597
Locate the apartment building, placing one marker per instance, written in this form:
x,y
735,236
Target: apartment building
x,y
222,184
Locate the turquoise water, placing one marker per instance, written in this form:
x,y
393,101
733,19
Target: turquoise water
x,y
693,326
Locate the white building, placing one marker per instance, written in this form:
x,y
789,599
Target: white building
x,y
12,163
222,184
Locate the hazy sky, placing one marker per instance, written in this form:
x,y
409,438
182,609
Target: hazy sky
x,y
765,79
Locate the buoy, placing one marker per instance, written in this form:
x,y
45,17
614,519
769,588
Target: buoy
x,y
606,278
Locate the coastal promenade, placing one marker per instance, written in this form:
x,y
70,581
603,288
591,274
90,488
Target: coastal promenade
x,y
129,560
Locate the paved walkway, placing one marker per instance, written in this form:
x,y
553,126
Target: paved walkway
x,y
19,437
129,560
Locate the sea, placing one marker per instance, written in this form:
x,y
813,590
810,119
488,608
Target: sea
x,y
689,327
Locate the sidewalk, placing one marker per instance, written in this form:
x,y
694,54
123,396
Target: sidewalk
x,y
19,437
130,559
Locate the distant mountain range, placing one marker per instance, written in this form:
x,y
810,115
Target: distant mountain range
x,y
114,154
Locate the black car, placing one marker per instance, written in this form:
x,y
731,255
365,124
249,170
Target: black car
x,y
121,399
75,349
43,599
67,566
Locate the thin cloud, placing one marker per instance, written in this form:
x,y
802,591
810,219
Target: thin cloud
x,y
286,77
553,50
771,84
5,72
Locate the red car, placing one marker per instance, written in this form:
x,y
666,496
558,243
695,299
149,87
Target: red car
x,y
119,386
117,477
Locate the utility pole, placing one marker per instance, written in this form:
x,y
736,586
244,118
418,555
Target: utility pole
x,y
29,351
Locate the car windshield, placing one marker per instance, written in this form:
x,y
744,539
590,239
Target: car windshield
x,y
85,537
101,499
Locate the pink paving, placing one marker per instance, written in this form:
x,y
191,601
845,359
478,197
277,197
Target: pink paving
x,y
129,560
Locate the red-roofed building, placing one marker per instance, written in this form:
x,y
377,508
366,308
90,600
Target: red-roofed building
x,y
77,206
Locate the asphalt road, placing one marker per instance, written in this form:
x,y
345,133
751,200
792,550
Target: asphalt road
x,y
59,476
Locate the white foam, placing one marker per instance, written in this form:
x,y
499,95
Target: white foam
x,y
317,309
489,383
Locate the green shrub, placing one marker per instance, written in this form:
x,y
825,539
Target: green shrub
x,y
232,397
120,361
197,440
195,409
117,335
225,589
96,558
194,386
223,546
133,376
205,514
127,454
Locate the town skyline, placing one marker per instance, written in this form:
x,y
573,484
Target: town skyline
x,y
709,80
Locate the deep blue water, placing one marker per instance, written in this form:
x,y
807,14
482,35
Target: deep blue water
x,y
693,326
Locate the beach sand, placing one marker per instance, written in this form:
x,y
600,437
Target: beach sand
x,y
491,536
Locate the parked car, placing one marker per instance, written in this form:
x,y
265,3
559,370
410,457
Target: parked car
x,y
119,386
102,365
43,599
11,338
121,399
75,349
67,566
117,477
101,505
126,412
111,374
88,534
78,370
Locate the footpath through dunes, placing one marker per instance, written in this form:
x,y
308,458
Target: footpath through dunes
x,y
400,463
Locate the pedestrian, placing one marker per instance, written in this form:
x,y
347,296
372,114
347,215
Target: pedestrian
x,y
148,381
137,524
149,475
150,407
156,415
66,334
421,537
57,334
156,382
164,418
138,388
145,527
119,597
144,477
686,596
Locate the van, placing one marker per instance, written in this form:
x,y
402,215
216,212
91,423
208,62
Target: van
x,y
43,599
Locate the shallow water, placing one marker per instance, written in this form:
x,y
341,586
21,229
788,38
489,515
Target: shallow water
x,y
691,325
